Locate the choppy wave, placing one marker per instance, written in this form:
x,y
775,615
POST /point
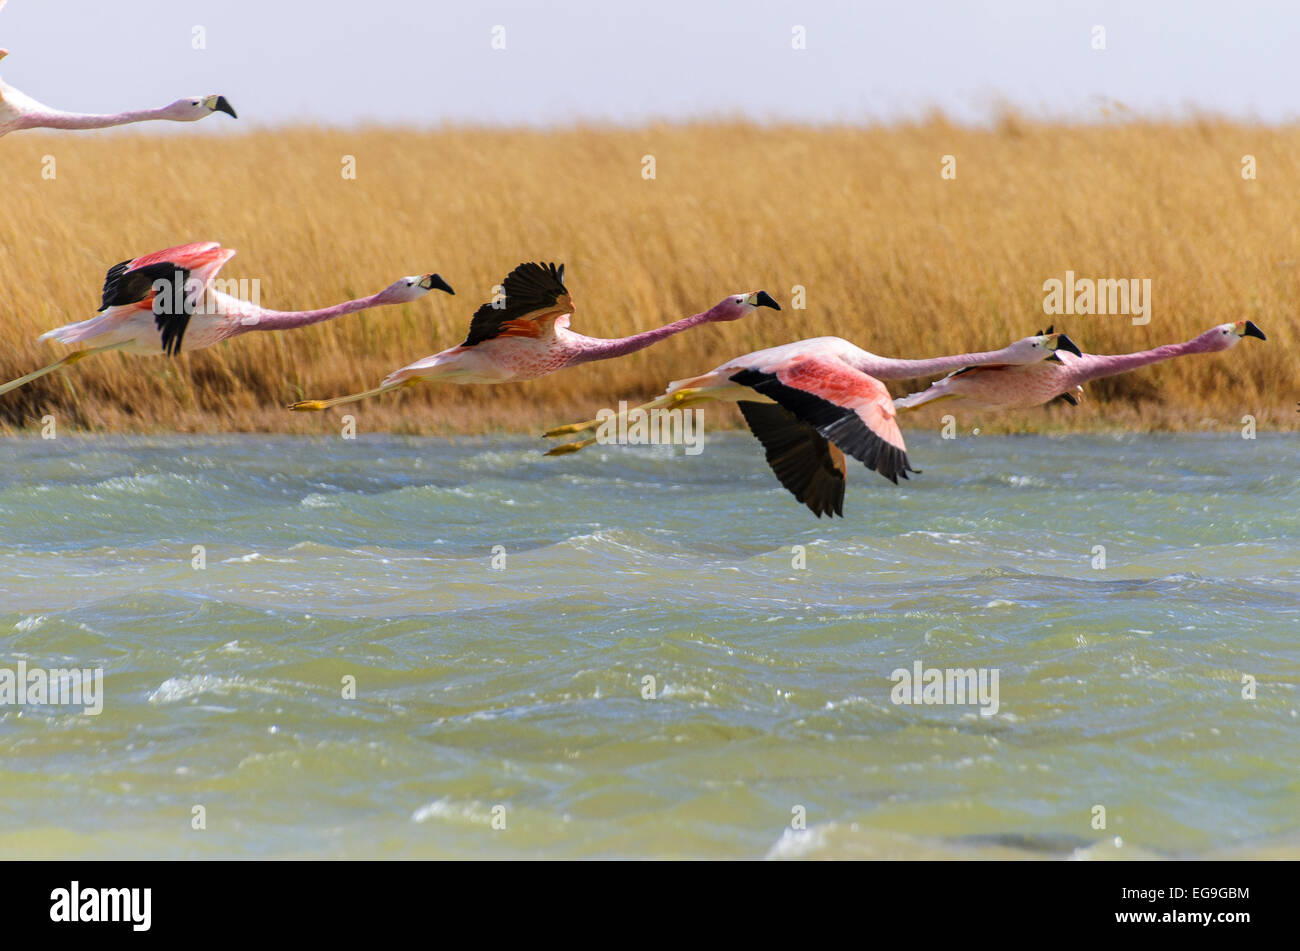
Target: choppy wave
x,y
643,653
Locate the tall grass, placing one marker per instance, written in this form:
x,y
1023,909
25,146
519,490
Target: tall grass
x,y
892,256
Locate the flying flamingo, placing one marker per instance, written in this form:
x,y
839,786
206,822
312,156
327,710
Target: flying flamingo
x,y
812,401
526,334
1017,387
20,111
154,304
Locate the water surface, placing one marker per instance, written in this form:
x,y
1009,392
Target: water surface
x,y
521,686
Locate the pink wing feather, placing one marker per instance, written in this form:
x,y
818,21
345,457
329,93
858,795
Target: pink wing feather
x,y
838,383
129,287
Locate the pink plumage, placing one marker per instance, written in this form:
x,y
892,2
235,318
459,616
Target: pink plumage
x,y
525,334
19,111
812,402
1019,387
166,302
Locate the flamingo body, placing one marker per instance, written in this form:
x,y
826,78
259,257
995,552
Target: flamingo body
x,y
809,407
196,315
127,320
812,402
825,408
507,359
1021,387
525,335
164,302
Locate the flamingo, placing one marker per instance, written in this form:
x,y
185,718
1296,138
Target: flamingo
x,y
525,334
153,305
812,401
1018,387
20,111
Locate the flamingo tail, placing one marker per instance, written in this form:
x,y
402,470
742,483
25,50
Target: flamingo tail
x,y
78,331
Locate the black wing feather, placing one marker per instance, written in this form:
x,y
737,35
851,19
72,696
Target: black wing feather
x,y
840,425
801,457
171,311
130,287
528,288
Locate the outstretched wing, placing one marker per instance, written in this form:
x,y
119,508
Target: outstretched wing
x,y
981,368
185,272
844,405
128,283
803,459
1000,367
125,285
533,295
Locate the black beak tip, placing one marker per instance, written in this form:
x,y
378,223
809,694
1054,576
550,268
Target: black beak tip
x,y
224,106
1252,331
1065,343
764,299
437,283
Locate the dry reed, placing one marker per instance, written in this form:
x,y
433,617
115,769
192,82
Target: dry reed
x,y
892,256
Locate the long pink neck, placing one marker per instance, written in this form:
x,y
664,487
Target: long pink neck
x,y
85,120
1092,366
597,348
888,368
255,318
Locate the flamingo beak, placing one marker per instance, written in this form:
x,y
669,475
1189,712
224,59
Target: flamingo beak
x,y
3,53
219,104
433,282
1062,342
763,299
1247,328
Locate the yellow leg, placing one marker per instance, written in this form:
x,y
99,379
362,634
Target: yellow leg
x,y
569,447
676,399
67,361
311,406
571,428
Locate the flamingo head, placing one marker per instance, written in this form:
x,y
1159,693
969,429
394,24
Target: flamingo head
x,y
741,305
199,107
1226,335
412,288
1041,346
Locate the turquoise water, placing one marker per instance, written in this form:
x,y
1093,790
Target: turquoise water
x,y
514,695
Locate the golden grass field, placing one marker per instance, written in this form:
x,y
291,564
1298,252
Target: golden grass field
x,y
892,257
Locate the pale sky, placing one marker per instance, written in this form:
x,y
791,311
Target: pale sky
x,y
424,62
